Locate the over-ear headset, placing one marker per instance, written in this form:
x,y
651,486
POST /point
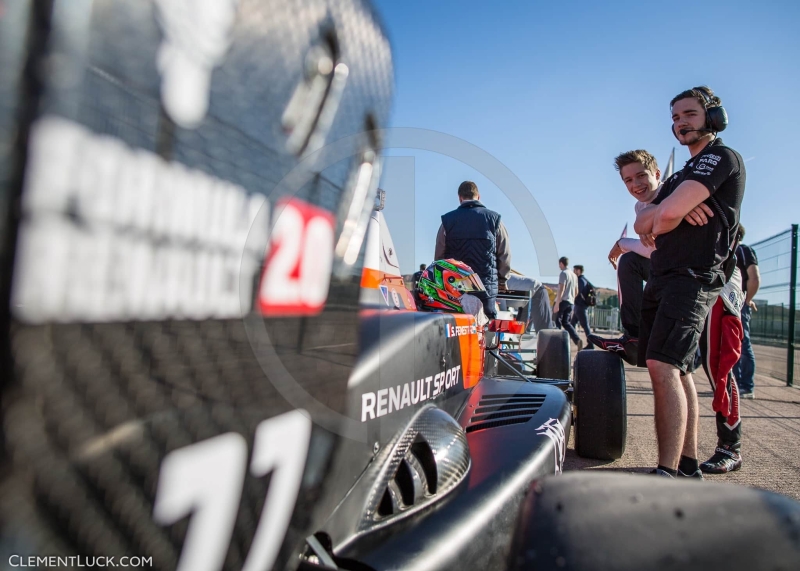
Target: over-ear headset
x,y
716,116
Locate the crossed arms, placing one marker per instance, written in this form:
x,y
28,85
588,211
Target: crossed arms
x,y
686,202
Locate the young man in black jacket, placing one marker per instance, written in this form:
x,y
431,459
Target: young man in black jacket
x,y
688,268
580,311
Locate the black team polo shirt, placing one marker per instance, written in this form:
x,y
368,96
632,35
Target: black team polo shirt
x,y
703,249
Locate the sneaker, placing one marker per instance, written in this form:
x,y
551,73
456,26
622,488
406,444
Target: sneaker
x,y
725,459
627,348
660,472
697,474
579,343
749,395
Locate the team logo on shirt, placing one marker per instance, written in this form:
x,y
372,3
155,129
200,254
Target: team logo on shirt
x,y
708,162
705,164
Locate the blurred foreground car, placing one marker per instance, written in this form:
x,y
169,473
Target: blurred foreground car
x,y
209,360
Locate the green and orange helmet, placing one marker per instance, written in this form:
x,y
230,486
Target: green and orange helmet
x,y
444,282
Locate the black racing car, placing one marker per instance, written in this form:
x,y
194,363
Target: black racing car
x,y
200,371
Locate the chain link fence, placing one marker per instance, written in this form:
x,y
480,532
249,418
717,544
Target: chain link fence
x,y
774,326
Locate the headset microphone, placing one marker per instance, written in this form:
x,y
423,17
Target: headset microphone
x,y
685,131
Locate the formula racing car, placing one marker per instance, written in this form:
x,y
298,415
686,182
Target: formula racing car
x,y
209,359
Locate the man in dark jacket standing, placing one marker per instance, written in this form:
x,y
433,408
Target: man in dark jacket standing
x,y
580,311
745,369
475,235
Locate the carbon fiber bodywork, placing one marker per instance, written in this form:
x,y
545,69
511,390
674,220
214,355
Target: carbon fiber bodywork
x,y
100,393
133,128
93,405
469,528
397,348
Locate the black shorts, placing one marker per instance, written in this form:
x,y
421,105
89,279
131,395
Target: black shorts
x,y
674,311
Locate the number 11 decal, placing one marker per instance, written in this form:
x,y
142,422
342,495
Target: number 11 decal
x,y
205,480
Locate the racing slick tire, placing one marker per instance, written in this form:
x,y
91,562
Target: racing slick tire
x,y
552,354
600,405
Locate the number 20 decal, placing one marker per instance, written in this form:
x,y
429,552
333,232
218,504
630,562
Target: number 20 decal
x,y
297,272
206,480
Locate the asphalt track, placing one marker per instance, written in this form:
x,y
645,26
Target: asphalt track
x,y
771,433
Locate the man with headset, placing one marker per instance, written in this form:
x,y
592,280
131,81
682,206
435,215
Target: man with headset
x,y
692,261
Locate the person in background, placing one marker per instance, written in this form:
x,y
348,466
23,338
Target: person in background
x,y
476,236
541,312
565,300
639,172
745,369
688,269
580,311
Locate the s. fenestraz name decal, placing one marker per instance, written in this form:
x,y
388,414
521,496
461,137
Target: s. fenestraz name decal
x,y
387,401
459,330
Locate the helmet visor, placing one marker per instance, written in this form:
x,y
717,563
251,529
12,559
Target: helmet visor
x,y
466,284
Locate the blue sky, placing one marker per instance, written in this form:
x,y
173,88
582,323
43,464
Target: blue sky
x,y
555,91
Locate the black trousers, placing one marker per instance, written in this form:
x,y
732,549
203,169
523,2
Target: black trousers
x,y
562,320
580,315
632,271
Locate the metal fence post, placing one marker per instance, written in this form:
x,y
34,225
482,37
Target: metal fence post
x,y
792,309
